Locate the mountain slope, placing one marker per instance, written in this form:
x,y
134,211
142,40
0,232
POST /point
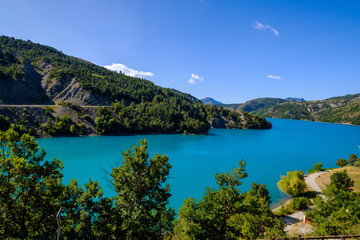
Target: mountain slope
x,y
259,105
36,74
210,101
345,109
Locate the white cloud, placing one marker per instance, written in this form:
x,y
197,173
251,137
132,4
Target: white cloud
x,y
273,77
264,27
195,78
118,67
191,81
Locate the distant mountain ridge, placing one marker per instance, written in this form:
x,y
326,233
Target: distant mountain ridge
x,y
210,101
295,99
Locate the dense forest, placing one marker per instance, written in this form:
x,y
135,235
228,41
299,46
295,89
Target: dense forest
x,y
36,74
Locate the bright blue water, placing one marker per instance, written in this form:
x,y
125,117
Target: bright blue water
x,y
289,145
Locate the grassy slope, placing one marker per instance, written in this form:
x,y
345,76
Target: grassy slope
x,y
354,173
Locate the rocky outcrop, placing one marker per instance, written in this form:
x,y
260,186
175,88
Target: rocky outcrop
x,y
37,87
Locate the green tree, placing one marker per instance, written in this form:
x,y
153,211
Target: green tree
x,y
341,162
30,188
142,194
352,160
226,213
317,167
339,211
86,213
293,183
339,181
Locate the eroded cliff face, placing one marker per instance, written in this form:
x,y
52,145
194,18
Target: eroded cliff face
x,y
37,87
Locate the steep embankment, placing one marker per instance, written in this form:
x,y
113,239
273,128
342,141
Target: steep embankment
x,y
344,109
34,74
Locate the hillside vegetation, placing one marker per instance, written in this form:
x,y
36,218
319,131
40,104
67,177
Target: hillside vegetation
x,y
255,106
34,74
345,109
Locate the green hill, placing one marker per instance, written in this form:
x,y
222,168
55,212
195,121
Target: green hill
x,y
255,106
344,109
63,88
259,105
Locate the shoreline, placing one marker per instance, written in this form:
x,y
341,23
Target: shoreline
x,y
310,187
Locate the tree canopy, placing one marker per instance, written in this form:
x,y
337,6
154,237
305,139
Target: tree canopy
x,y
293,183
338,211
226,213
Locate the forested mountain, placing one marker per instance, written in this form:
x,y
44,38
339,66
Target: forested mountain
x,y
72,88
344,109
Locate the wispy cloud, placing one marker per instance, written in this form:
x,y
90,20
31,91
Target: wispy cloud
x,y
118,67
274,77
191,81
195,78
264,27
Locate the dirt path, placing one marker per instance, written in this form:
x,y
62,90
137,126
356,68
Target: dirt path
x,y
292,221
310,181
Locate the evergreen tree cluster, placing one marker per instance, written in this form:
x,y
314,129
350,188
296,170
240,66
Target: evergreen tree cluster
x,y
338,211
353,160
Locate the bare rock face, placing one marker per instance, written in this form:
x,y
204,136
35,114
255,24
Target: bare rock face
x,y
37,87
27,90
70,90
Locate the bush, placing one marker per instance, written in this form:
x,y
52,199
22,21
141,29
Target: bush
x,y
341,162
299,203
293,183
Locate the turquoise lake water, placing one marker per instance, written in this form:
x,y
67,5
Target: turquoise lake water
x,y
289,145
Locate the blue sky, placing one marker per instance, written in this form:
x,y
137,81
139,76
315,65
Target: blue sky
x,y
232,51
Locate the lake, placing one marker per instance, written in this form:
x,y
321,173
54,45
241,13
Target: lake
x,y
195,159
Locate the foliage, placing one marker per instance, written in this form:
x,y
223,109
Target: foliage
x,y
296,204
339,180
339,211
353,160
299,203
341,162
30,191
142,195
293,183
62,126
226,213
317,167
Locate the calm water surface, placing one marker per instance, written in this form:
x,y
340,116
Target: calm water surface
x,y
289,145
